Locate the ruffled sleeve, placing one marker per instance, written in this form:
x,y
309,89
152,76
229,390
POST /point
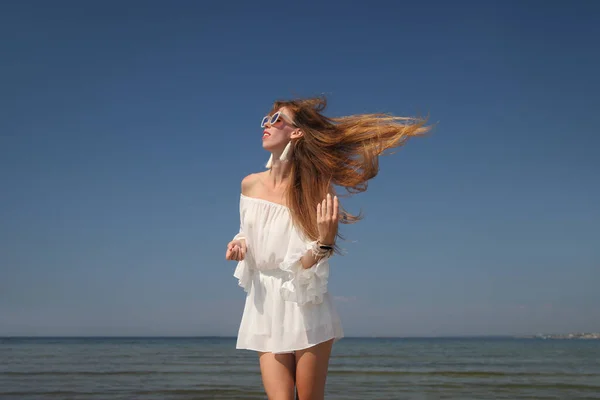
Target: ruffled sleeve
x,y
304,285
243,272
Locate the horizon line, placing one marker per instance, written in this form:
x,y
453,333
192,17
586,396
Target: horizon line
x,y
234,337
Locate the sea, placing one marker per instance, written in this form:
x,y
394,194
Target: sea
x,y
360,368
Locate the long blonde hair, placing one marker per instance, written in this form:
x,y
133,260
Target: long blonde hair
x,y
340,152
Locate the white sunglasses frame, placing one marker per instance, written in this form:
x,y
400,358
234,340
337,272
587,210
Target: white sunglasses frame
x,y
273,119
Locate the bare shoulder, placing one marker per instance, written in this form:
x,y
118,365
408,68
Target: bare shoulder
x,y
249,182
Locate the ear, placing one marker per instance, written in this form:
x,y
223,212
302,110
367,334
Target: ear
x,y
296,134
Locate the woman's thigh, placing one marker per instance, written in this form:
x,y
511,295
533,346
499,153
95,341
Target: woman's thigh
x,y
311,371
278,375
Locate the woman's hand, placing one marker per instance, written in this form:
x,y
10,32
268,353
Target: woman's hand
x,y
327,219
236,250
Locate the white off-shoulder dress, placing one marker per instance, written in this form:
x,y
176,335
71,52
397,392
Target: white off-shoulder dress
x,y
287,307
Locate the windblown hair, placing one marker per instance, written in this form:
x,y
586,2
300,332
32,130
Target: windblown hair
x,y
339,152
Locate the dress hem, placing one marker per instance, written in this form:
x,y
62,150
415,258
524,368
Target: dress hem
x,y
335,339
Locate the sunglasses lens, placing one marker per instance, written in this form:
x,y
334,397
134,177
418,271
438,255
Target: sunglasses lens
x,y
275,117
264,122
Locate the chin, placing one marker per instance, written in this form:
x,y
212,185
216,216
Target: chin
x,y
268,146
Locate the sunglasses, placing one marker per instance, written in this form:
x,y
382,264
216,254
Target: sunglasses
x,y
273,119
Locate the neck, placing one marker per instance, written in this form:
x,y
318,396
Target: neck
x,y
279,172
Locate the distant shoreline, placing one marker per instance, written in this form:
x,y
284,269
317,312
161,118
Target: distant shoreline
x,y
564,336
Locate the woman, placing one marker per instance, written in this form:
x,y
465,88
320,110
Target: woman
x,y
288,231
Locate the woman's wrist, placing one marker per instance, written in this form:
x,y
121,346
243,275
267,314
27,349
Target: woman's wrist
x,y
326,242
321,249
324,246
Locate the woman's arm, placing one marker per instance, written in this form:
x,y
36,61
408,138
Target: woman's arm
x,y
327,223
236,249
309,259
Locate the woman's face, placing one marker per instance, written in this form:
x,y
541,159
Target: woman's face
x,y
277,133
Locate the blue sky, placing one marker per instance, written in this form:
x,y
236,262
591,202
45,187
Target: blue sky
x,y
126,127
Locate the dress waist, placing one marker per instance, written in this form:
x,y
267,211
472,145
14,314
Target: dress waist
x,y
275,272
